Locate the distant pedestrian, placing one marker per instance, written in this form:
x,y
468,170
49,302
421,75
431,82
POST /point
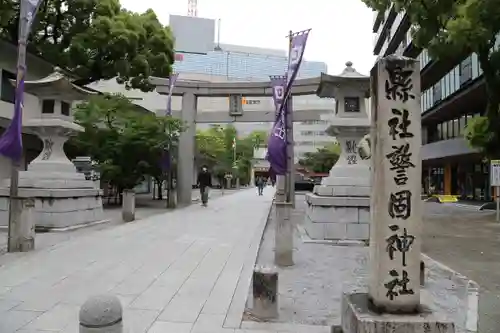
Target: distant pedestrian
x,y
260,185
204,182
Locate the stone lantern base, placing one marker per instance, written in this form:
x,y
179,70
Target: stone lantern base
x,y
339,208
63,198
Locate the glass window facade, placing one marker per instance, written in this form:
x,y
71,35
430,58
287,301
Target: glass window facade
x,y
446,130
240,66
462,74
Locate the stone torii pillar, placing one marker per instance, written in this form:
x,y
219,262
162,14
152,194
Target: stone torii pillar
x,y
187,141
191,90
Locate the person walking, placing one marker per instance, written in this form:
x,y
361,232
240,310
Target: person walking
x,y
204,182
260,185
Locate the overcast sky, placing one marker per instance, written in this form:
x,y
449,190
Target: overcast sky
x,y
341,29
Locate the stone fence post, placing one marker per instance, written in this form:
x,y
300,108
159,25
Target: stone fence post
x,y
22,237
101,314
128,205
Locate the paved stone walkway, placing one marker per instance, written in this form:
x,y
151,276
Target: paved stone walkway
x,y
145,207
176,272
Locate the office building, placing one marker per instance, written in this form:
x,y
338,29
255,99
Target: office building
x,y
452,94
200,58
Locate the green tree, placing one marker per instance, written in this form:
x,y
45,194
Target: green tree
x,y
96,39
452,29
322,160
126,144
215,149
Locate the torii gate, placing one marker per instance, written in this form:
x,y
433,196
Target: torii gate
x,y
191,90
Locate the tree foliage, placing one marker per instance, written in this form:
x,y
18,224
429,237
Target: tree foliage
x,y
125,143
214,148
96,39
322,160
451,29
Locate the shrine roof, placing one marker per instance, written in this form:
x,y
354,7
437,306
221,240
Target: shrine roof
x,y
349,77
57,85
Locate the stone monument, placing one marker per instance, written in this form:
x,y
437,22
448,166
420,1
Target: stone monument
x,y
393,299
63,197
339,208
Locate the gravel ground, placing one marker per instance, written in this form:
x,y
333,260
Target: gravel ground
x,y
310,291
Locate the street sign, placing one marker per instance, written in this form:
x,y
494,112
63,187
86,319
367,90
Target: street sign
x,y
495,181
495,173
235,105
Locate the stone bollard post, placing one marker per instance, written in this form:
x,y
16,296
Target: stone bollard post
x,y
23,233
265,293
422,273
101,314
128,205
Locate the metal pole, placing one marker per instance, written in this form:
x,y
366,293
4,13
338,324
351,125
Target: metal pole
x,y
14,206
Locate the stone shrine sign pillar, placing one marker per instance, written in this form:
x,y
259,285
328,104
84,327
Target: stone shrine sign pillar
x,y
393,300
397,206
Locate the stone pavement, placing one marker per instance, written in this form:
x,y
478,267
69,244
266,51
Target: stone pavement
x,y
468,240
145,207
183,271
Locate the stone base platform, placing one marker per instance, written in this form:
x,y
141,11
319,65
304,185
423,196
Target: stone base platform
x,y
358,318
338,218
58,208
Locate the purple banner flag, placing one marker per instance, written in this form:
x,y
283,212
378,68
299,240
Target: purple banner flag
x,y
278,84
11,143
172,80
297,48
276,149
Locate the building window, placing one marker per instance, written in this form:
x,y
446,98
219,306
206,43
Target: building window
x,y
65,108
8,93
351,104
466,70
437,92
48,106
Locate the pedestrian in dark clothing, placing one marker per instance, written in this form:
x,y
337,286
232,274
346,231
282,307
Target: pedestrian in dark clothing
x,y
260,185
204,182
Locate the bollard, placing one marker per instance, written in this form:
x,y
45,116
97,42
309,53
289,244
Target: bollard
x,y
101,314
128,205
422,273
23,232
265,293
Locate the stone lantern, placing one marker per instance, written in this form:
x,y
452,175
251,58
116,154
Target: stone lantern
x,y
64,198
338,209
